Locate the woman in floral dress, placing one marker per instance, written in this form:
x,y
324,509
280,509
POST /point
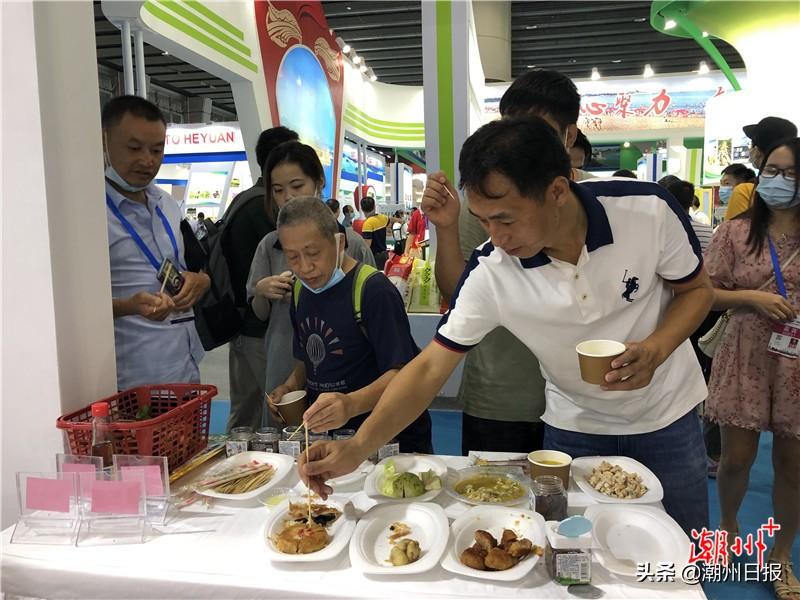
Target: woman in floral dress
x,y
752,390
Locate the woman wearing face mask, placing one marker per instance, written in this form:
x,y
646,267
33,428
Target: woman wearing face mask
x,y
752,388
291,170
736,188
351,333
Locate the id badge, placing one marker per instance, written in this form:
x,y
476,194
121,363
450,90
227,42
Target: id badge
x,y
785,339
174,279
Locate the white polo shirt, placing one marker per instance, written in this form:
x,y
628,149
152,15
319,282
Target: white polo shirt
x,y
635,230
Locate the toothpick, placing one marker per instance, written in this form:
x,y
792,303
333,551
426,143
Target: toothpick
x,y
296,431
449,193
308,496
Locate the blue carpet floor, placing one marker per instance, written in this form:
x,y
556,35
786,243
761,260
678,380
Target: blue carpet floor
x,y
757,506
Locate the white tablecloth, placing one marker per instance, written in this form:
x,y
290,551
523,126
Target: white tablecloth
x,y
229,562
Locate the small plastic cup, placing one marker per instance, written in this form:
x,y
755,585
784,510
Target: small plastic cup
x,y
274,496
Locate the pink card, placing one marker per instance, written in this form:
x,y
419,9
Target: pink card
x,y
87,473
116,497
153,484
48,494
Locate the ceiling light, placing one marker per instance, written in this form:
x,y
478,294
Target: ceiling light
x,y
346,49
165,53
531,66
373,77
343,45
617,61
703,69
356,60
670,24
648,71
532,27
363,68
640,20
349,7
595,74
705,34
627,144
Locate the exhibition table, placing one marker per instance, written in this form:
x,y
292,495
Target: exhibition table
x,y
218,552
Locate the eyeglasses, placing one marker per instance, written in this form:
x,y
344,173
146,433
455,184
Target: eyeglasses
x,y
771,171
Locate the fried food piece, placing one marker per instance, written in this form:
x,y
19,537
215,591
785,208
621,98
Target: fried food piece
x,y
485,539
398,557
520,548
506,539
537,550
472,559
479,549
321,514
299,538
499,560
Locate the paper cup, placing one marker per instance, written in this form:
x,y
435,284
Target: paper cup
x,y
550,462
292,406
595,358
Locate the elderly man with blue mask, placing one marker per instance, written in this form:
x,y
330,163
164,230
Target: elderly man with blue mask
x,y
154,333
351,333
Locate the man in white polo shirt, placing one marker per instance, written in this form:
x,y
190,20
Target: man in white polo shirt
x,y
566,262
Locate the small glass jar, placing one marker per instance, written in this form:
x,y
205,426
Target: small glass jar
x,y
266,440
343,434
316,437
549,498
293,447
391,448
238,440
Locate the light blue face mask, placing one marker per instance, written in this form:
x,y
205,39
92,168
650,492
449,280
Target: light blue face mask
x,y
778,192
336,276
725,192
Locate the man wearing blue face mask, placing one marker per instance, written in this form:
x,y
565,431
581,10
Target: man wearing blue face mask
x,y
351,333
154,332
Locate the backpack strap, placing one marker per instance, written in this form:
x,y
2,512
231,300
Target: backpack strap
x,y
363,273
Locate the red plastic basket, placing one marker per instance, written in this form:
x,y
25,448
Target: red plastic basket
x,y
177,429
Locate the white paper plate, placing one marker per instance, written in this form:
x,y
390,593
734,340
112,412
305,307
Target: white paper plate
x,y
582,469
340,531
351,479
415,463
525,523
627,535
283,466
370,547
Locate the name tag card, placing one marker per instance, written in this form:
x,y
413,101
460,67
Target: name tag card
x,y
785,339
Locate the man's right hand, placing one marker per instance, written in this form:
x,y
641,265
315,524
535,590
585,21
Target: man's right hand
x,y
441,208
327,460
276,287
153,307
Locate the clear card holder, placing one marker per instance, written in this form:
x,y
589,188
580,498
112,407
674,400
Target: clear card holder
x,y
112,509
156,482
49,508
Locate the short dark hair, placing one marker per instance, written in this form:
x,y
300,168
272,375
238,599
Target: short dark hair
x,y
668,180
347,209
683,192
333,204
303,155
541,92
201,215
740,172
582,142
271,138
526,151
118,107
368,204
625,173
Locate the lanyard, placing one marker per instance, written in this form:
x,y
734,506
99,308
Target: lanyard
x,y
138,239
777,267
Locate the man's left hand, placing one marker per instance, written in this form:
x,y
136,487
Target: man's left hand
x,y
195,285
634,368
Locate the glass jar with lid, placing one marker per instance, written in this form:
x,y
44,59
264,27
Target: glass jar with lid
x,y
238,440
549,498
266,440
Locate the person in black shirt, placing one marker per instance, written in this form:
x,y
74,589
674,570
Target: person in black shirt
x,y
342,363
247,222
